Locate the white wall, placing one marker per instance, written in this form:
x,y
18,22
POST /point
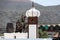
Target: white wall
x,y
8,35
21,35
18,35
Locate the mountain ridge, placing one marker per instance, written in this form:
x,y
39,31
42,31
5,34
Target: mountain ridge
x,y
11,12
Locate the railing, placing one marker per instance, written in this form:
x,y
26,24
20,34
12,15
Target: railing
x,y
2,30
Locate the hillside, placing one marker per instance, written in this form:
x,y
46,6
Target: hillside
x,y
11,11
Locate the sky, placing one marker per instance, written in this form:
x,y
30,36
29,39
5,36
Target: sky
x,y
47,2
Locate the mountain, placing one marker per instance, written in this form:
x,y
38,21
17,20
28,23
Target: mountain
x,y
51,14
11,11
15,0
19,0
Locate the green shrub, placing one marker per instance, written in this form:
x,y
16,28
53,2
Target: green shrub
x,y
1,34
43,34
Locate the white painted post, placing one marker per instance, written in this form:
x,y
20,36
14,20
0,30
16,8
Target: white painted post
x,y
32,31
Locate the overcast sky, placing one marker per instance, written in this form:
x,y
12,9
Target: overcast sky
x,y
47,2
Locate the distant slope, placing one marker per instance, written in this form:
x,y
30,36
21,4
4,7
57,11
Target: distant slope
x,y
51,14
11,11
